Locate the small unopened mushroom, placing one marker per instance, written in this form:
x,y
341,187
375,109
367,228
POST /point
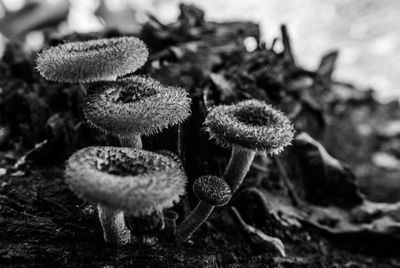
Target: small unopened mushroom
x,y
94,60
248,127
170,217
212,192
135,106
124,180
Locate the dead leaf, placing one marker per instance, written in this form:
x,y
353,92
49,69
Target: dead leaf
x,y
326,181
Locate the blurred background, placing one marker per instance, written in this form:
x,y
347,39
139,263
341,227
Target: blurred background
x,y
367,32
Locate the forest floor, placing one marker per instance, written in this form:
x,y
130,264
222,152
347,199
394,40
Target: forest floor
x,y
311,199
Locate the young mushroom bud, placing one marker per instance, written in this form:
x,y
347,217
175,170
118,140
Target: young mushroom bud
x,y
170,217
124,180
135,106
212,192
94,60
248,127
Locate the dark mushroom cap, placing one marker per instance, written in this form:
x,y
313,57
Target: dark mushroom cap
x,y
170,215
136,181
212,190
250,125
94,60
135,105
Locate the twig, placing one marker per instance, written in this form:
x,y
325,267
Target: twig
x,y
48,202
327,64
256,236
273,44
286,44
206,91
288,184
296,111
3,7
22,160
154,19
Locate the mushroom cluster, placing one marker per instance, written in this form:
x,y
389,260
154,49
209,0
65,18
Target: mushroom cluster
x,y
249,127
131,186
123,107
127,108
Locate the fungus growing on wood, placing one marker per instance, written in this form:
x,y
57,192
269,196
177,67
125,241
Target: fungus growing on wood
x,y
135,106
248,127
212,192
124,180
94,60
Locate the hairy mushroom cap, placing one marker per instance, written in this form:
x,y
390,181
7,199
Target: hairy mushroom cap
x,y
171,155
212,190
136,105
136,181
94,60
251,125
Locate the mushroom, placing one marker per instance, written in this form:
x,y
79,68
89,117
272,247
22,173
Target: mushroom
x,y
124,181
135,106
93,60
170,217
212,192
248,127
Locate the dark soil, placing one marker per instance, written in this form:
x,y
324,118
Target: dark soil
x,y
44,224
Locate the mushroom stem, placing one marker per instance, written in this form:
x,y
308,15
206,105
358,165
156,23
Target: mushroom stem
x,y
143,228
113,224
133,141
170,217
83,88
192,222
238,166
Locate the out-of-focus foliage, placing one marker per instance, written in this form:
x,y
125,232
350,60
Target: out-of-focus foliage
x,y
35,14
